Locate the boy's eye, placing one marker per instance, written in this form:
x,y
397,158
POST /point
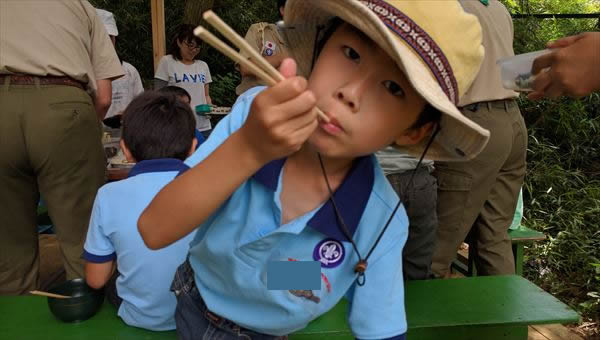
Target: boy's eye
x,y
351,53
393,88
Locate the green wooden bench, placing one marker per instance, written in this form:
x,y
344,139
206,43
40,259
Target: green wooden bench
x,y
519,238
476,308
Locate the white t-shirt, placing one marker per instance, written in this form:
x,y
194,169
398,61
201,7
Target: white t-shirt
x,y
192,78
124,90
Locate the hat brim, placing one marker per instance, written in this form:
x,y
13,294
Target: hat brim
x,y
459,138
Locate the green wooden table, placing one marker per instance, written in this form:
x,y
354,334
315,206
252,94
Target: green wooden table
x,y
475,308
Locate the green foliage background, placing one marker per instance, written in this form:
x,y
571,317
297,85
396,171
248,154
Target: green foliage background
x,y
562,187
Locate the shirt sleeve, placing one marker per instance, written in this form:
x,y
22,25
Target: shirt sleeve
x,y
226,127
162,71
377,308
98,247
105,62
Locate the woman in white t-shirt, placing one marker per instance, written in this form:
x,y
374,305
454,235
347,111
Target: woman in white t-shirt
x,y
181,68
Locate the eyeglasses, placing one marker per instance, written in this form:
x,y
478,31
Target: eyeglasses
x,y
192,46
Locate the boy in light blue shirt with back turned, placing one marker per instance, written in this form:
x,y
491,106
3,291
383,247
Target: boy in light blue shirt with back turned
x,y
158,134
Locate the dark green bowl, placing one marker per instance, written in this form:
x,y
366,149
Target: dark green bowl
x,y
83,304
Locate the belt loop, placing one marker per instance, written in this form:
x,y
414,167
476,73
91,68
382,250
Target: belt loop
x,y
6,82
36,81
506,105
489,105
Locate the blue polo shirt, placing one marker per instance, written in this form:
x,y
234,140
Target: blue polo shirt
x,y
231,249
145,275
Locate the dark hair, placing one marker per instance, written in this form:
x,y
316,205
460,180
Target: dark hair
x,y
157,125
429,114
176,91
280,3
183,33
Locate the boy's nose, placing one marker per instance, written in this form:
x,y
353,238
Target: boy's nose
x,y
351,92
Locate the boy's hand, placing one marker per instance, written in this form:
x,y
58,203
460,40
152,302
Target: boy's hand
x,y
281,118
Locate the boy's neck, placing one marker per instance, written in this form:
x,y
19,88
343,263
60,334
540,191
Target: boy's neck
x,y
307,159
304,187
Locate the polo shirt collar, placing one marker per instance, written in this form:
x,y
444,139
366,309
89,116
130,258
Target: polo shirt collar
x,y
351,196
158,165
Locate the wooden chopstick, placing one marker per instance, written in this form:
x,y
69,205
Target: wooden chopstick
x,y
215,42
263,70
40,293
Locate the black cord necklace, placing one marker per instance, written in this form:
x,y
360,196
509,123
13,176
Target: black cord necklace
x,y
362,264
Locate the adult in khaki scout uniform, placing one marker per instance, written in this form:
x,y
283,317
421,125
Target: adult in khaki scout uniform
x,y
56,67
266,39
480,195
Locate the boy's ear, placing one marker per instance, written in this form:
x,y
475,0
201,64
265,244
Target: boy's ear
x,y
414,136
193,148
128,156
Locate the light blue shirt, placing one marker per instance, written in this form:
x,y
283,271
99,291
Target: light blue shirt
x,y
145,275
231,249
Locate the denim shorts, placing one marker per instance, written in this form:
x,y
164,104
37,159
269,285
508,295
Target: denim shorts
x,y
195,321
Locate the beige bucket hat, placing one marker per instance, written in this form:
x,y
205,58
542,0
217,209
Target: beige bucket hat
x,y
435,43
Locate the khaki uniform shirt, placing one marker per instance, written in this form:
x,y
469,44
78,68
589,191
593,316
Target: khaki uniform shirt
x,y
497,27
267,40
56,38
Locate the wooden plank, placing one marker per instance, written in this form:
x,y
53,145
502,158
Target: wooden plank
x,y
157,8
556,332
488,308
533,334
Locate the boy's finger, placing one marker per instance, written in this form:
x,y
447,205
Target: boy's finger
x,y
288,68
542,62
281,92
299,105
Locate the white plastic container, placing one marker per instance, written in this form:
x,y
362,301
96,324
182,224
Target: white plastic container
x,y
516,71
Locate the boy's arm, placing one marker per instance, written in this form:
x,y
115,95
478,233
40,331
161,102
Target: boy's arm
x,y
281,118
98,250
97,274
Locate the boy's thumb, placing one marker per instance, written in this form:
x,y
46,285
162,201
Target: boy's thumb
x,y
288,68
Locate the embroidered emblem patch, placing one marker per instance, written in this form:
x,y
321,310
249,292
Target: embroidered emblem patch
x,y
269,48
329,252
307,294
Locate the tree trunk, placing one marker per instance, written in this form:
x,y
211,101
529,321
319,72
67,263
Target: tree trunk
x,y
194,9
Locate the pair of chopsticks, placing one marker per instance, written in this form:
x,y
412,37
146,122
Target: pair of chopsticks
x,y
262,69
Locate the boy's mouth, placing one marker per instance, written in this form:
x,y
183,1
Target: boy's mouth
x,y
333,127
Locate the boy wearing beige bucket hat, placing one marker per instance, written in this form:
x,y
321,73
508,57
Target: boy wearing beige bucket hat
x,y
294,191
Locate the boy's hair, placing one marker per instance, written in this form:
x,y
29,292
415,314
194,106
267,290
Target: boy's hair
x,y
157,125
427,115
176,91
183,33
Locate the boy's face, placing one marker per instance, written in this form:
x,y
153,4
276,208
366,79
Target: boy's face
x,y
369,100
